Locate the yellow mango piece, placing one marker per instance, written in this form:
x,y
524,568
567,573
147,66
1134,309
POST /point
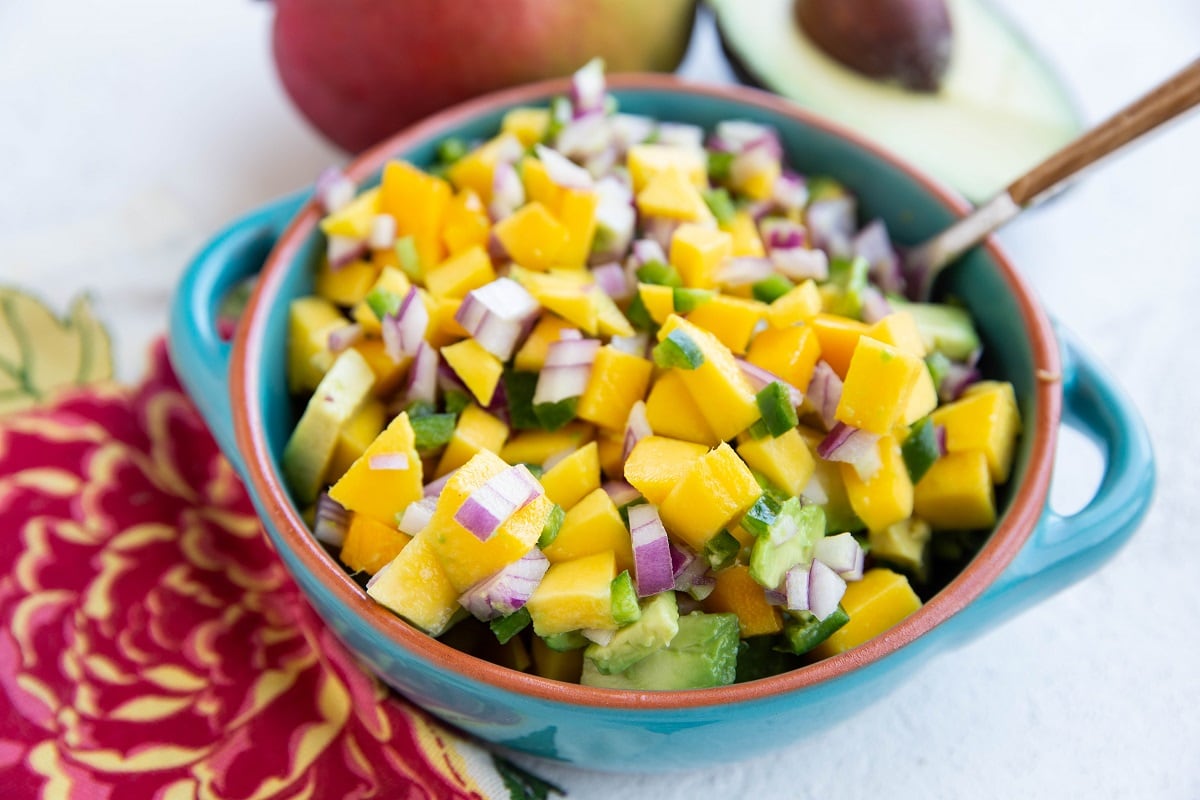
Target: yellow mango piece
x,y
355,437
731,319
800,304
956,493
881,600
465,559
354,219
575,594
574,477
658,300
310,321
783,460
887,496
443,328
609,319
903,544
593,525
618,380
532,355
673,413
459,274
647,161
717,489
737,593
791,353
532,236
670,194
877,386
576,210
347,284
419,202
718,385
697,251
985,418
476,170
476,367
391,279
388,373
744,230
466,224
383,493
656,464
527,123
922,401
369,544
610,446
476,431
838,337
564,293
758,184
538,186
535,447
899,329
415,586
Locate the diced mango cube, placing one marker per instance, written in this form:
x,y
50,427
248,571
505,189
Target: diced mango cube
x,y
574,477
532,236
757,184
415,586
383,493
618,380
310,321
800,304
610,446
532,355
899,329
885,497
646,161
716,490
574,595
697,251
355,437
576,210
388,373
609,319
467,223
877,387
354,219
419,202
673,413
670,194
985,418
784,460
527,123
593,525
347,284
956,493
443,328
744,230
721,390
476,431
737,593
566,293
838,337
922,401
370,544
476,367
881,600
459,274
731,319
535,447
657,464
791,353
658,300
539,188
476,170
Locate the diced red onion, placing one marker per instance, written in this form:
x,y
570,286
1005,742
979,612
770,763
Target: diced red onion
x,y
417,516
852,446
562,170
334,190
345,336
939,432
814,588
448,380
600,636
496,250
790,192
633,345
651,551
383,232
508,590
404,331
331,521
775,597
687,604
702,587
874,244
661,230
508,192
801,263
421,383
388,461
637,427
778,232
679,134
567,369
795,583
620,492
588,88
615,219
434,487
645,251
603,163
874,305
631,129
832,224
496,315
584,137
378,576
814,491
489,506
825,393
744,270
956,380
554,459
739,135
612,280
570,335
693,574
341,250
681,559
842,553
759,378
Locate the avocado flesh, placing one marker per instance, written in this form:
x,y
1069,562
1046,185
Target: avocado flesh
x,y
1000,109
701,655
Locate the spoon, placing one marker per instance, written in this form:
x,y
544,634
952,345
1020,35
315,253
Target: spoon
x,y
924,262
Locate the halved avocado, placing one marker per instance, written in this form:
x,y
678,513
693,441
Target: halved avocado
x,y
999,110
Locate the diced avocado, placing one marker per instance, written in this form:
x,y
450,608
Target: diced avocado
x,y
778,413
721,550
310,447
679,351
703,654
904,544
944,328
920,449
770,289
764,656
655,629
571,640
509,626
553,525
803,631
789,541
625,608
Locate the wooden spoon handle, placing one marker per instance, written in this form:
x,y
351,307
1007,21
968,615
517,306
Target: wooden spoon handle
x,y
1164,103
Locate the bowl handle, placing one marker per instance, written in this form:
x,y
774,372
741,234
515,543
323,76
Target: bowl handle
x,y
1063,549
198,353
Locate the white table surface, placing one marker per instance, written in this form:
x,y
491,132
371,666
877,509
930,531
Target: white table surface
x,y
132,130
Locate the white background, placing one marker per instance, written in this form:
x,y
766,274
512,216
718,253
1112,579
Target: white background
x,y
131,131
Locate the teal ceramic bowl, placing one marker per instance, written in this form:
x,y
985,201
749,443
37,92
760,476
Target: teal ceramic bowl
x,y
242,392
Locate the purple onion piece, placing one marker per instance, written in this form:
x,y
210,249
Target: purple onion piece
x,y
852,446
825,393
832,224
779,232
508,590
421,383
841,553
637,427
652,556
620,492
490,506
344,337
383,232
334,190
331,521
744,270
800,263
874,305
342,250
825,590
612,280
508,192
417,516
497,314
434,488
759,378
873,244
588,88
389,462
563,171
